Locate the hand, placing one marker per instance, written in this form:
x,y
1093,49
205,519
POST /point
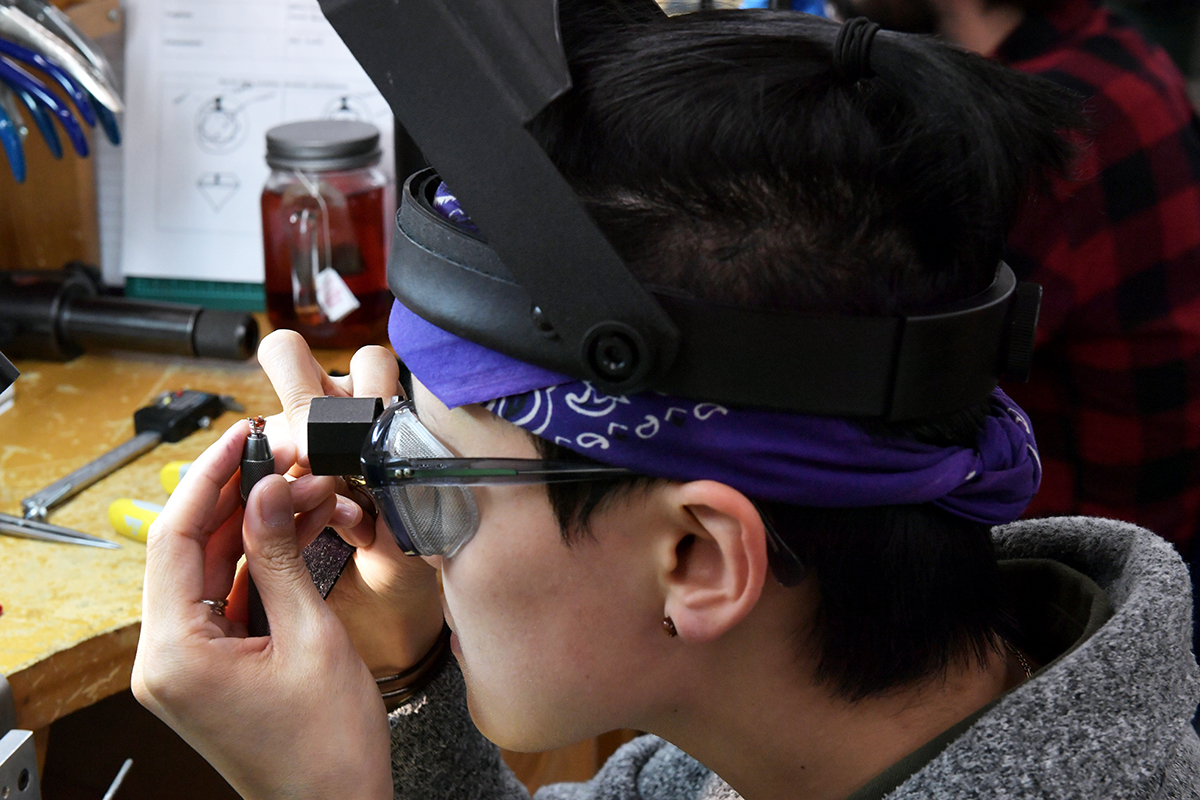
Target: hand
x,y
289,715
389,603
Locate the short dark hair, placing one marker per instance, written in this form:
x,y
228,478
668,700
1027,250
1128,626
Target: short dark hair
x,y
725,156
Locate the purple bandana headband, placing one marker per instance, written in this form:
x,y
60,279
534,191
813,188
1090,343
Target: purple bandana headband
x,y
792,458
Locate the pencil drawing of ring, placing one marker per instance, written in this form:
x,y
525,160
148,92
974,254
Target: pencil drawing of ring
x,y
216,606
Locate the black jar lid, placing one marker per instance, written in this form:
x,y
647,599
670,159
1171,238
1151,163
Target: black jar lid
x,y
323,144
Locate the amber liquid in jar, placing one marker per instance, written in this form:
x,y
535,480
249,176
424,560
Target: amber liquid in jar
x,y
356,230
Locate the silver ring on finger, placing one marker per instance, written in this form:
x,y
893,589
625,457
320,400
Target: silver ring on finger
x,y
216,606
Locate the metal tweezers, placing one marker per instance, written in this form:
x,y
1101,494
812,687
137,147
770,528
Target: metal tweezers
x,y
45,532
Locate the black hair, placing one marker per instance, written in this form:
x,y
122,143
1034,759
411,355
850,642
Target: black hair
x,y
724,156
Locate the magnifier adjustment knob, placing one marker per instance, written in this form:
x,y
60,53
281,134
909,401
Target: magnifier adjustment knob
x,y
615,353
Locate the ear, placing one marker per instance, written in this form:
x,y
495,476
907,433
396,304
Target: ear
x,y
717,560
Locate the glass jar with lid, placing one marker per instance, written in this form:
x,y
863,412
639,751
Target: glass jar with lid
x,y
325,212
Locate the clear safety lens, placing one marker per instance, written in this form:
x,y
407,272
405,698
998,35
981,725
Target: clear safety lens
x,y
438,519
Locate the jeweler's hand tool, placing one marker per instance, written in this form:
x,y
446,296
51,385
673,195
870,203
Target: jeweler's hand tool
x,y
45,532
257,459
257,462
173,416
171,474
133,518
116,784
325,557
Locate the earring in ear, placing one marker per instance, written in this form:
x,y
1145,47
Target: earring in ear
x,y
669,627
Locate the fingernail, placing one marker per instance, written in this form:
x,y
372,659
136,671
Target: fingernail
x,y
275,503
345,513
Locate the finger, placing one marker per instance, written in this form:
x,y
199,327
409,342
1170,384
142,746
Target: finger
x,y
309,491
279,434
360,530
348,513
375,373
273,556
224,549
309,525
355,527
238,610
382,541
317,507
176,541
297,378
354,505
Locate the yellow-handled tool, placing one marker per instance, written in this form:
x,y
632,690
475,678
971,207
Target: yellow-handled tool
x,y
170,475
132,518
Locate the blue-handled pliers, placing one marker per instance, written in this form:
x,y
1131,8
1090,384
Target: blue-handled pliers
x,y
60,76
108,122
42,120
10,138
19,27
21,81
59,24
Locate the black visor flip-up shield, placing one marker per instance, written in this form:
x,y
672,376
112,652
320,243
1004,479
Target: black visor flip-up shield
x,y
542,284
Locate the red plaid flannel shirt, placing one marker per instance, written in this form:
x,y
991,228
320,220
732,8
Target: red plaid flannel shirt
x,y
1115,391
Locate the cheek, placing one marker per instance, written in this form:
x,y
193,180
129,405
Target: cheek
x,y
498,577
541,627
511,574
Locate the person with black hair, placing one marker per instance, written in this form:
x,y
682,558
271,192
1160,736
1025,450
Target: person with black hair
x,y
789,605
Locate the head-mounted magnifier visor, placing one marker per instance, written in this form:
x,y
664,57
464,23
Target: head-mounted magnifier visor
x,y
542,283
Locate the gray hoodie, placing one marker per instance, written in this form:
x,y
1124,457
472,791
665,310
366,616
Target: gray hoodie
x,y
1108,718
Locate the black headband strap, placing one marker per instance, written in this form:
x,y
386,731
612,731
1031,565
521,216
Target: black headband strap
x,y
852,50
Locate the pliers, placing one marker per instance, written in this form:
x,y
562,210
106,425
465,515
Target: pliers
x,y
24,83
19,27
58,23
12,133
59,75
35,34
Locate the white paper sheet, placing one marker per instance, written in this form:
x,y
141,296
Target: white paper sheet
x,y
109,160
205,81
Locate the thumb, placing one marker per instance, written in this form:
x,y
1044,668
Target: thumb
x,y
273,556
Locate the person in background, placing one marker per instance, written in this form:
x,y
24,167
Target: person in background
x,y
1115,388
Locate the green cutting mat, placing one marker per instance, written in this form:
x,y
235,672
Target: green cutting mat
x,y
210,294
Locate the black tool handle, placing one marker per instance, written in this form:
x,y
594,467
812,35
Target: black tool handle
x,y
325,558
8,373
257,463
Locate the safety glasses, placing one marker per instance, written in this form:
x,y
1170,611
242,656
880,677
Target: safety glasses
x,y
423,491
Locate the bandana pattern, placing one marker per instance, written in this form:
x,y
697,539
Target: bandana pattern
x,y
793,458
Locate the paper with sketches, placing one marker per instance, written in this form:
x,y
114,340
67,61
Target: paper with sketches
x,y
205,81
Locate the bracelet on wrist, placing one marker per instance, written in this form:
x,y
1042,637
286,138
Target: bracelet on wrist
x,y
398,689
